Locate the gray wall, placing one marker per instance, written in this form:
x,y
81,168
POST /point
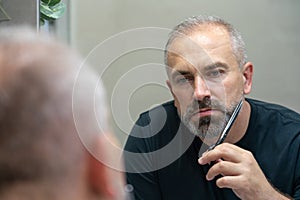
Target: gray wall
x,y
270,28
20,12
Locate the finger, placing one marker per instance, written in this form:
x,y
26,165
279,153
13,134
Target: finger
x,y
224,151
233,182
216,154
223,168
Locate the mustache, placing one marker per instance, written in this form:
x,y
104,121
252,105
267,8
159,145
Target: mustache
x,y
207,103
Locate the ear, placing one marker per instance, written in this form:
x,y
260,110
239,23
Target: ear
x,y
171,90
98,178
247,77
104,178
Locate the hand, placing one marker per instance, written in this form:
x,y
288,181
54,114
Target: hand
x,y
239,171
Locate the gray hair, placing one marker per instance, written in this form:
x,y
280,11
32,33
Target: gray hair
x,y
190,24
39,136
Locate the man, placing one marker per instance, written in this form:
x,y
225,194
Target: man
x,y
51,145
208,77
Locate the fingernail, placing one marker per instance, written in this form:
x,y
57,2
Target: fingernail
x,y
208,178
200,161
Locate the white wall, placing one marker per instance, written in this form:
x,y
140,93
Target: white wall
x,y
270,29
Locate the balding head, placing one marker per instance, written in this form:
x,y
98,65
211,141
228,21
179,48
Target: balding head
x,y
196,24
39,138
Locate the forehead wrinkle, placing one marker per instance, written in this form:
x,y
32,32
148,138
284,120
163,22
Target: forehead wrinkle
x,y
215,65
191,60
182,66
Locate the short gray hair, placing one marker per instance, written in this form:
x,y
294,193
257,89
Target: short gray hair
x,y
189,26
38,132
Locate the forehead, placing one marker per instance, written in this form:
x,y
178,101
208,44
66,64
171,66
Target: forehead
x,y
206,45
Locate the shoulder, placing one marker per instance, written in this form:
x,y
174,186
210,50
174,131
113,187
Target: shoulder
x,y
272,110
274,125
155,127
153,130
158,113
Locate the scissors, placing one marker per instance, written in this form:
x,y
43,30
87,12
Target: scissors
x,y
228,126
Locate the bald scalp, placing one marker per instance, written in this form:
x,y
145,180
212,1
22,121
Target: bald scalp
x,y
38,137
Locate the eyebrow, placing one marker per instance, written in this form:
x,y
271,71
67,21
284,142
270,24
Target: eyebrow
x,y
211,66
216,65
175,73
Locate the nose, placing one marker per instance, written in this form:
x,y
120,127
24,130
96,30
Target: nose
x,y
201,90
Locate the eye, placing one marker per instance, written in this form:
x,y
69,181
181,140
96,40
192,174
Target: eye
x,y
215,74
183,79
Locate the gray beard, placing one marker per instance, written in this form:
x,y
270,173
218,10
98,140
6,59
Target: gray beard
x,y
207,127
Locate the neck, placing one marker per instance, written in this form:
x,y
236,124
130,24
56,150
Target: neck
x,y
239,128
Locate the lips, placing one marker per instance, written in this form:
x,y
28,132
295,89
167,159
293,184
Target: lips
x,y
204,112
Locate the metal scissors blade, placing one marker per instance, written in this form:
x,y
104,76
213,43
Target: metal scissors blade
x,y
228,125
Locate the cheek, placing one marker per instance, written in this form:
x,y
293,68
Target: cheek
x,y
233,89
218,90
182,99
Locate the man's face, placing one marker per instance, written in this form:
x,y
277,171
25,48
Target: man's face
x,y
205,80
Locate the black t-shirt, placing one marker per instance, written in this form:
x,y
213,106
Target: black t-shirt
x,y
166,154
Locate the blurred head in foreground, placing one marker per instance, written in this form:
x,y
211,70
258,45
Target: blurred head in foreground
x,y
54,138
